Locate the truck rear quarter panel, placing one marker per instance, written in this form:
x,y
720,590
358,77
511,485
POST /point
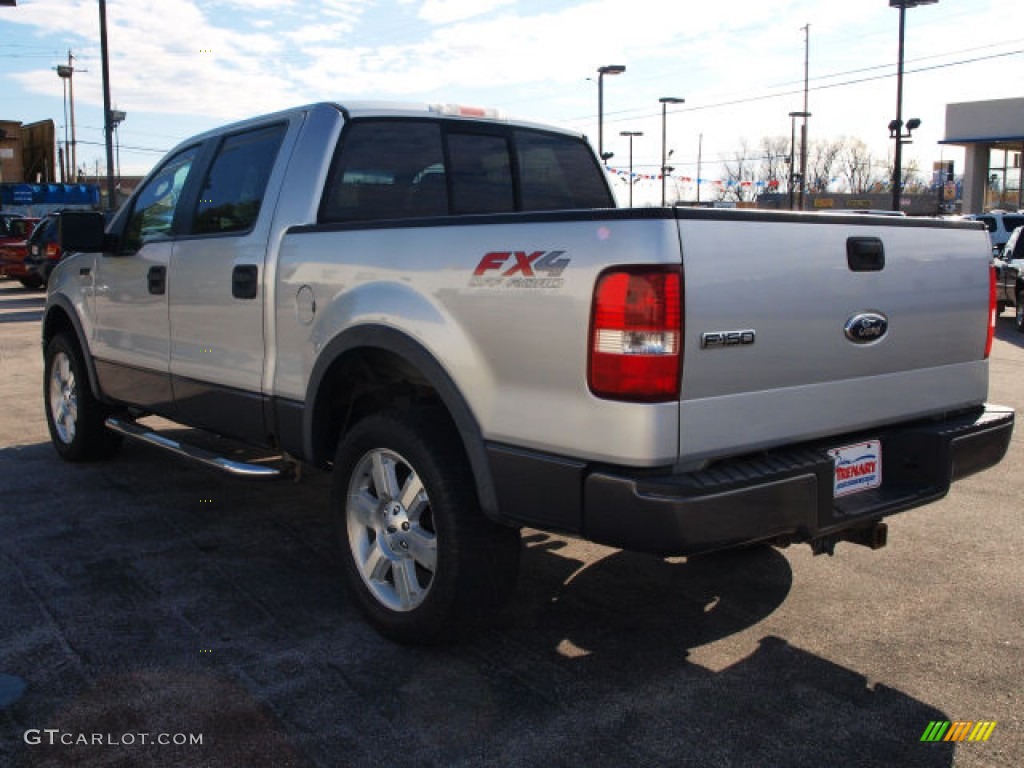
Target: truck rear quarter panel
x,y
511,334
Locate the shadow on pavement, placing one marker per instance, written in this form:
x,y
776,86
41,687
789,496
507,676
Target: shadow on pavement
x,y
150,596
28,316
1005,331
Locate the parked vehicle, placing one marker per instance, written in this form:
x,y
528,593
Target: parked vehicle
x,y
5,219
13,250
43,249
441,306
1010,278
999,225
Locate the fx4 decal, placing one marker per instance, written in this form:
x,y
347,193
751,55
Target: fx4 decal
x,y
520,269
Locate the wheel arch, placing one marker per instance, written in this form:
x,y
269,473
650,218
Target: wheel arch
x,y
373,366
61,317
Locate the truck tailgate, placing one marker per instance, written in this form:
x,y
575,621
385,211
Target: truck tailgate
x,y
767,359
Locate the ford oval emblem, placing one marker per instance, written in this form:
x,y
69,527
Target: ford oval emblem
x,y
866,327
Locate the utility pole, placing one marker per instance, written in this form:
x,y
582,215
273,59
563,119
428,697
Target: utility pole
x,y
108,128
700,150
803,128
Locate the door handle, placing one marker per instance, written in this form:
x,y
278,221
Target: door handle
x,y
157,279
245,281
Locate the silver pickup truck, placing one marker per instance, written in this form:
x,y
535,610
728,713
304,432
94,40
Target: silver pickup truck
x,y
443,307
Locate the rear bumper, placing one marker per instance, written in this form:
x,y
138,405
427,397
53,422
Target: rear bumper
x,y
784,494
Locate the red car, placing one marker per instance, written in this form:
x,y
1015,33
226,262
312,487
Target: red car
x,y
14,249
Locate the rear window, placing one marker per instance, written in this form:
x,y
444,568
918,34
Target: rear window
x,y
21,227
558,174
394,169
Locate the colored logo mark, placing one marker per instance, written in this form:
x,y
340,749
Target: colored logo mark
x,y
958,730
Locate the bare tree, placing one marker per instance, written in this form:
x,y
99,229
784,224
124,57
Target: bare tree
x,y
823,164
751,172
774,171
911,180
739,173
858,167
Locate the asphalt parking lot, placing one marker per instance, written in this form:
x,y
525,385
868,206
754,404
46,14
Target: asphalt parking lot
x,y
150,596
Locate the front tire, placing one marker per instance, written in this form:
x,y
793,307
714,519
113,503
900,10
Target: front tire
x,y
420,558
32,283
73,414
1018,312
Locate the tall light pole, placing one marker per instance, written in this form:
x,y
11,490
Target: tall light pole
x,y
793,174
117,117
66,73
700,152
897,159
631,134
609,69
804,114
665,101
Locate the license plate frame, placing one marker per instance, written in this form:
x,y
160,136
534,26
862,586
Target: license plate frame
x,y
857,468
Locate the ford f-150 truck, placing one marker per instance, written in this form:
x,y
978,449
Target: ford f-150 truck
x,y
444,308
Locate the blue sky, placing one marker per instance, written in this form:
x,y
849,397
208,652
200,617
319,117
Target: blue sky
x,y
182,66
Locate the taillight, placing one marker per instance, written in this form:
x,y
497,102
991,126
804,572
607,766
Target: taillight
x,y
992,310
52,251
636,334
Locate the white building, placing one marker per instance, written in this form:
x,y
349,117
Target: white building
x,y
992,135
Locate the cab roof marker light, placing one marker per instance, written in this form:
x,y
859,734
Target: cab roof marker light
x,y
459,110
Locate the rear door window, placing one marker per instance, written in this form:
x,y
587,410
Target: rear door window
x,y
387,169
233,190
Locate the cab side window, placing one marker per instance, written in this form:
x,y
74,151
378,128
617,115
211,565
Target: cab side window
x,y
152,216
233,190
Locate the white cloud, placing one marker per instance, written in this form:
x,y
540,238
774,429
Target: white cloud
x,y
448,11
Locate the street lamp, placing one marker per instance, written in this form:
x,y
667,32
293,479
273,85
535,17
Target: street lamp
x,y
66,74
631,134
665,101
610,69
793,175
116,118
897,131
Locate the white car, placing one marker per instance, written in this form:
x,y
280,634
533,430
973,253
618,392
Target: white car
x,y
999,225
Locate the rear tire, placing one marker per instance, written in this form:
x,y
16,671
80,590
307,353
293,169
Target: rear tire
x,y
32,283
73,414
420,558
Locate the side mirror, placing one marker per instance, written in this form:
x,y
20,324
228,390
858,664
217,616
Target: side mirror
x,y
81,231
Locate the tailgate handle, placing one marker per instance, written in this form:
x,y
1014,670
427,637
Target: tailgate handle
x,y
865,254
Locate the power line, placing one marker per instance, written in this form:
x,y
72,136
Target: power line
x,y
636,113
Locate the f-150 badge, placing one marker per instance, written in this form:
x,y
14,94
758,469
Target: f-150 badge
x,y
520,269
722,339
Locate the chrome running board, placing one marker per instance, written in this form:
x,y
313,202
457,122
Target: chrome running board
x,y
237,468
